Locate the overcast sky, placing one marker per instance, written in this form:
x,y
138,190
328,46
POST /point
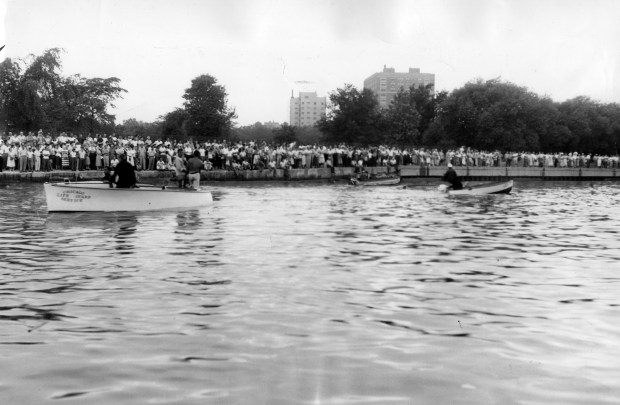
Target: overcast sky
x,y
261,50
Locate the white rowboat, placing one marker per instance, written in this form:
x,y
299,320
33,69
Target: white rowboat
x,y
482,189
98,196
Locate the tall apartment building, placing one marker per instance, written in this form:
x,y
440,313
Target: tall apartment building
x,y
307,109
388,83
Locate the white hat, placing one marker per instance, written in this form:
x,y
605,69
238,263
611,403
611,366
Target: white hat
x,y
449,164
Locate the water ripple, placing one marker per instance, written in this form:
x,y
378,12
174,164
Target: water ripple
x,y
302,294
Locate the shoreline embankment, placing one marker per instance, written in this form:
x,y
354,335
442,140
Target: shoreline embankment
x,y
468,173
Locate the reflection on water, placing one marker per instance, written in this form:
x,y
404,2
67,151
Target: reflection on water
x,y
291,293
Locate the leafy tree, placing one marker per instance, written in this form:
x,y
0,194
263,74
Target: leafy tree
x,y
593,127
353,117
208,115
495,115
256,132
40,104
612,111
308,135
132,128
427,102
436,136
173,124
97,95
35,95
403,118
285,134
10,73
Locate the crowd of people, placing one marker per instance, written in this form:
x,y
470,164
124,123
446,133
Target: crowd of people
x,y
43,152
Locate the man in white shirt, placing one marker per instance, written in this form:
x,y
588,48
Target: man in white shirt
x,y
45,154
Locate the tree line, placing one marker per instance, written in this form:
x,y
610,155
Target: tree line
x,y
486,115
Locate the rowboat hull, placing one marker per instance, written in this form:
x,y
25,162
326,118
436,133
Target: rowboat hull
x,y
485,188
98,196
377,181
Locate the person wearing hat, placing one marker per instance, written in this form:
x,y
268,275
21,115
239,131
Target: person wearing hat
x,y
451,177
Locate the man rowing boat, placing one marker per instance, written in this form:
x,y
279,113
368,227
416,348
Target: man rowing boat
x,y
451,177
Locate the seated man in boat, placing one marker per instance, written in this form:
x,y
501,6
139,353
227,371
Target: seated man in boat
x,y
451,177
124,173
360,173
108,176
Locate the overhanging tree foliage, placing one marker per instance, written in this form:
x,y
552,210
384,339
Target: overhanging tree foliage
x,y
35,95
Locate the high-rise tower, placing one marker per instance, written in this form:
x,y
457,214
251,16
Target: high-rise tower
x,y
307,109
388,83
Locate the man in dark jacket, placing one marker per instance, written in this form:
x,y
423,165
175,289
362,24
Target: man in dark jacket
x,y
451,177
124,173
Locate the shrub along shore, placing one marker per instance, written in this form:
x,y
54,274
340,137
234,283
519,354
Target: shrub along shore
x,y
469,173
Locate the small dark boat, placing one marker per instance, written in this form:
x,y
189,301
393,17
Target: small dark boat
x,y
380,180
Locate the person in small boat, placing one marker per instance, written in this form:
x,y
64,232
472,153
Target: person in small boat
x,y
451,177
108,177
124,173
360,173
194,165
180,168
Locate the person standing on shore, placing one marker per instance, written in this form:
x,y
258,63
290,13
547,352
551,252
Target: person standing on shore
x,y
141,156
30,165
4,154
10,163
73,158
37,158
98,158
150,153
45,159
22,153
92,157
105,155
81,159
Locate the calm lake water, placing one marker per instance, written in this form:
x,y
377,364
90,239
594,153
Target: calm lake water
x,y
315,294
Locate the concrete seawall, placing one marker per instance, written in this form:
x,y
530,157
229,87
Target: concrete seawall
x,y
538,173
467,173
